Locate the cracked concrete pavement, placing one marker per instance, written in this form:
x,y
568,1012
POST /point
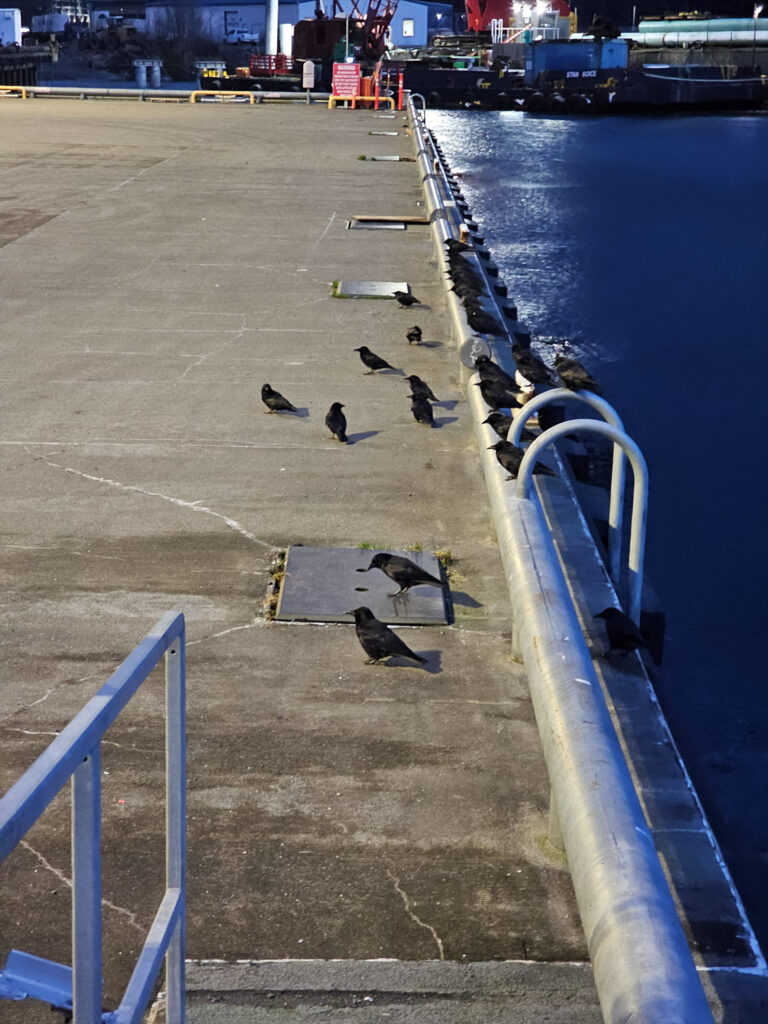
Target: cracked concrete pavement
x,y
158,263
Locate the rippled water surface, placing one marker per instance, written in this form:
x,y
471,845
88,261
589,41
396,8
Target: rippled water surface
x,y
645,241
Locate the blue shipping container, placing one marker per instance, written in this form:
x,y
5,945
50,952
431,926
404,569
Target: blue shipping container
x,y
573,55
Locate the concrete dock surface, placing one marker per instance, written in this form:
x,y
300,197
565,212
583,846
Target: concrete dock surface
x,y
159,263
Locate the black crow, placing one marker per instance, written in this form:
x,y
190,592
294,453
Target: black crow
x,y
550,416
414,335
422,411
454,245
483,322
403,571
501,423
623,634
465,290
377,640
406,299
497,396
372,361
274,401
574,376
510,457
464,276
336,422
488,370
531,367
420,388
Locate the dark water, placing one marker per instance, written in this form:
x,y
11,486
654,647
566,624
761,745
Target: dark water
x,y
645,241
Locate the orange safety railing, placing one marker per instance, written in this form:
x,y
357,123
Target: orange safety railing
x,y
270,64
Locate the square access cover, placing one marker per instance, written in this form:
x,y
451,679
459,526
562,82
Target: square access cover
x,y
322,584
369,289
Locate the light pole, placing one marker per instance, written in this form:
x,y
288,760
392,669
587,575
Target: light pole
x,y
755,15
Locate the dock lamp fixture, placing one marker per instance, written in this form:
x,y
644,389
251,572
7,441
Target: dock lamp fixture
x,y
755,15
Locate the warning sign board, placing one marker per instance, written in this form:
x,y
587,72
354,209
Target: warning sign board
x,y
346,79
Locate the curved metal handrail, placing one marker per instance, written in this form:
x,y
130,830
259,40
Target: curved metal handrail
x,y
639,498
616,500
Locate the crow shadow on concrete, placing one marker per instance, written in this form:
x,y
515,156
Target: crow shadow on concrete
x,y
362,436
466,600
441,421
431,667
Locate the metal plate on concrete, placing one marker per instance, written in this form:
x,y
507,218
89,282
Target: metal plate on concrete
x,y
375,225
369,289
383,133
387,157
321,584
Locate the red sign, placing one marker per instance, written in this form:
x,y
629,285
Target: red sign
x,y
346,79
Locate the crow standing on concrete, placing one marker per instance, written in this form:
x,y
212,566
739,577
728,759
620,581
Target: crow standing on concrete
x,y
422,411
623,634
414,335
377,640
574,376
274,401
420,388
372,361
336,422
406,299
510,457
403,571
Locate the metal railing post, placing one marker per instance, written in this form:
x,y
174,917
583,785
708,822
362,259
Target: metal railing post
x,y
176,821
86,890
639,498
75,755
616,500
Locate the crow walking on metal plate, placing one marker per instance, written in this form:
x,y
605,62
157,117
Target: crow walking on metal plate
x,y
403,571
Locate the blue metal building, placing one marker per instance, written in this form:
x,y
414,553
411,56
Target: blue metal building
x,y
413,24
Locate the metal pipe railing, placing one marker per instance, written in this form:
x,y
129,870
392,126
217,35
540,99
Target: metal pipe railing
x,y
642,966
75,755
639,496
616,499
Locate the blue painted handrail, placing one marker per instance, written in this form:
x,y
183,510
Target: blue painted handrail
x,y
75,754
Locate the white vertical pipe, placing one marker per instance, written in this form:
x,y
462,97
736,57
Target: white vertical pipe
x,y
270,42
